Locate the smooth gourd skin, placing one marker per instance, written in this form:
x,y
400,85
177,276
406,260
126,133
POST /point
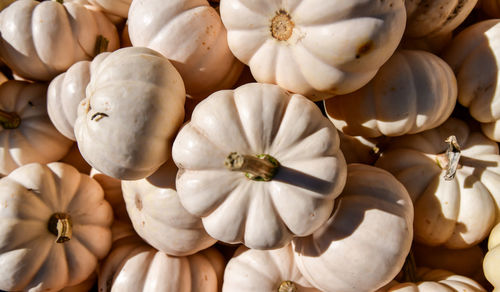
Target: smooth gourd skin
x,y
259,119
158,216
332,47
363,246
491,261
134,105
35,139
412,92
31,259
456,213
474,54
40,40
191,35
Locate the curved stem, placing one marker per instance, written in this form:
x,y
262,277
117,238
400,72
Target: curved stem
x,y
61,225
287,286
262,167
449,160
9,120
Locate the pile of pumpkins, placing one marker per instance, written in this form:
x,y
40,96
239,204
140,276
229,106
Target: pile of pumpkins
x,y
249,145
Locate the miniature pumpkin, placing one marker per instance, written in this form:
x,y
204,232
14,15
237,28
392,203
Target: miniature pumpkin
x,y
40,40
372,222
191,35
491,260
133,107
26,132
412,92
250,156
455,193
68,223
158,216
315,48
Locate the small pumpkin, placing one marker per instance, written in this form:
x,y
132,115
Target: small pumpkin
x,y
492,258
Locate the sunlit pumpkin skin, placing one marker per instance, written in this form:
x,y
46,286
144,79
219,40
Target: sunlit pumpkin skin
x,y
274,270
412,92
363,246
434,17
474,54
456,213
259,119
35,139
40,40
491,262
315,48
436,281
158,216
191,35
134,105
133,266
65,92
31,258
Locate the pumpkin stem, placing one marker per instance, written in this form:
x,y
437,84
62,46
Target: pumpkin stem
x,y
9,120
410,269
287,286
101,44
60,224
262,167
449,160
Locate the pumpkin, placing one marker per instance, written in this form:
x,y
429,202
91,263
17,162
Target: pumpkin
x,y
473,54
132,265
363,246
259,165
112,188
65,92
158,216
358,149
436,17
492,258
429,280
84,286
455,193
133,107
40,40
26,131
412,92
191,35
54,227
117,9
315,48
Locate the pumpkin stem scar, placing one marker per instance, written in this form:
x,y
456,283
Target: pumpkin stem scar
x,y
449,160
287,286
262,167
61,225
282,26
9,120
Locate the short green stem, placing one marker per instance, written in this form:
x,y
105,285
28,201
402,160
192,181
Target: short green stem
x,y
287,286
9,120
261,167
61,225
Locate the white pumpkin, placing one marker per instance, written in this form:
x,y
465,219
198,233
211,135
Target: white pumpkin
x,y
412,92
54,227
492,259
363,246
191,35
251,206
112,188
40,40
26,133
313,47
158,216
133,107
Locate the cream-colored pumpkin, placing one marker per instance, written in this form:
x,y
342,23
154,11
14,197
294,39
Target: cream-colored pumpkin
x,y
313,47
158,216
191,35
65,92
459,212
112,188
357,149
363,246
54,227
251,270
491,262
412,92
134,105
133,266
84,286
26,132
40,40
429,280
117,8
474,54
434,17
259,119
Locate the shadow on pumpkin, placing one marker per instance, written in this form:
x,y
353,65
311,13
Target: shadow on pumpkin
x,y
303,180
